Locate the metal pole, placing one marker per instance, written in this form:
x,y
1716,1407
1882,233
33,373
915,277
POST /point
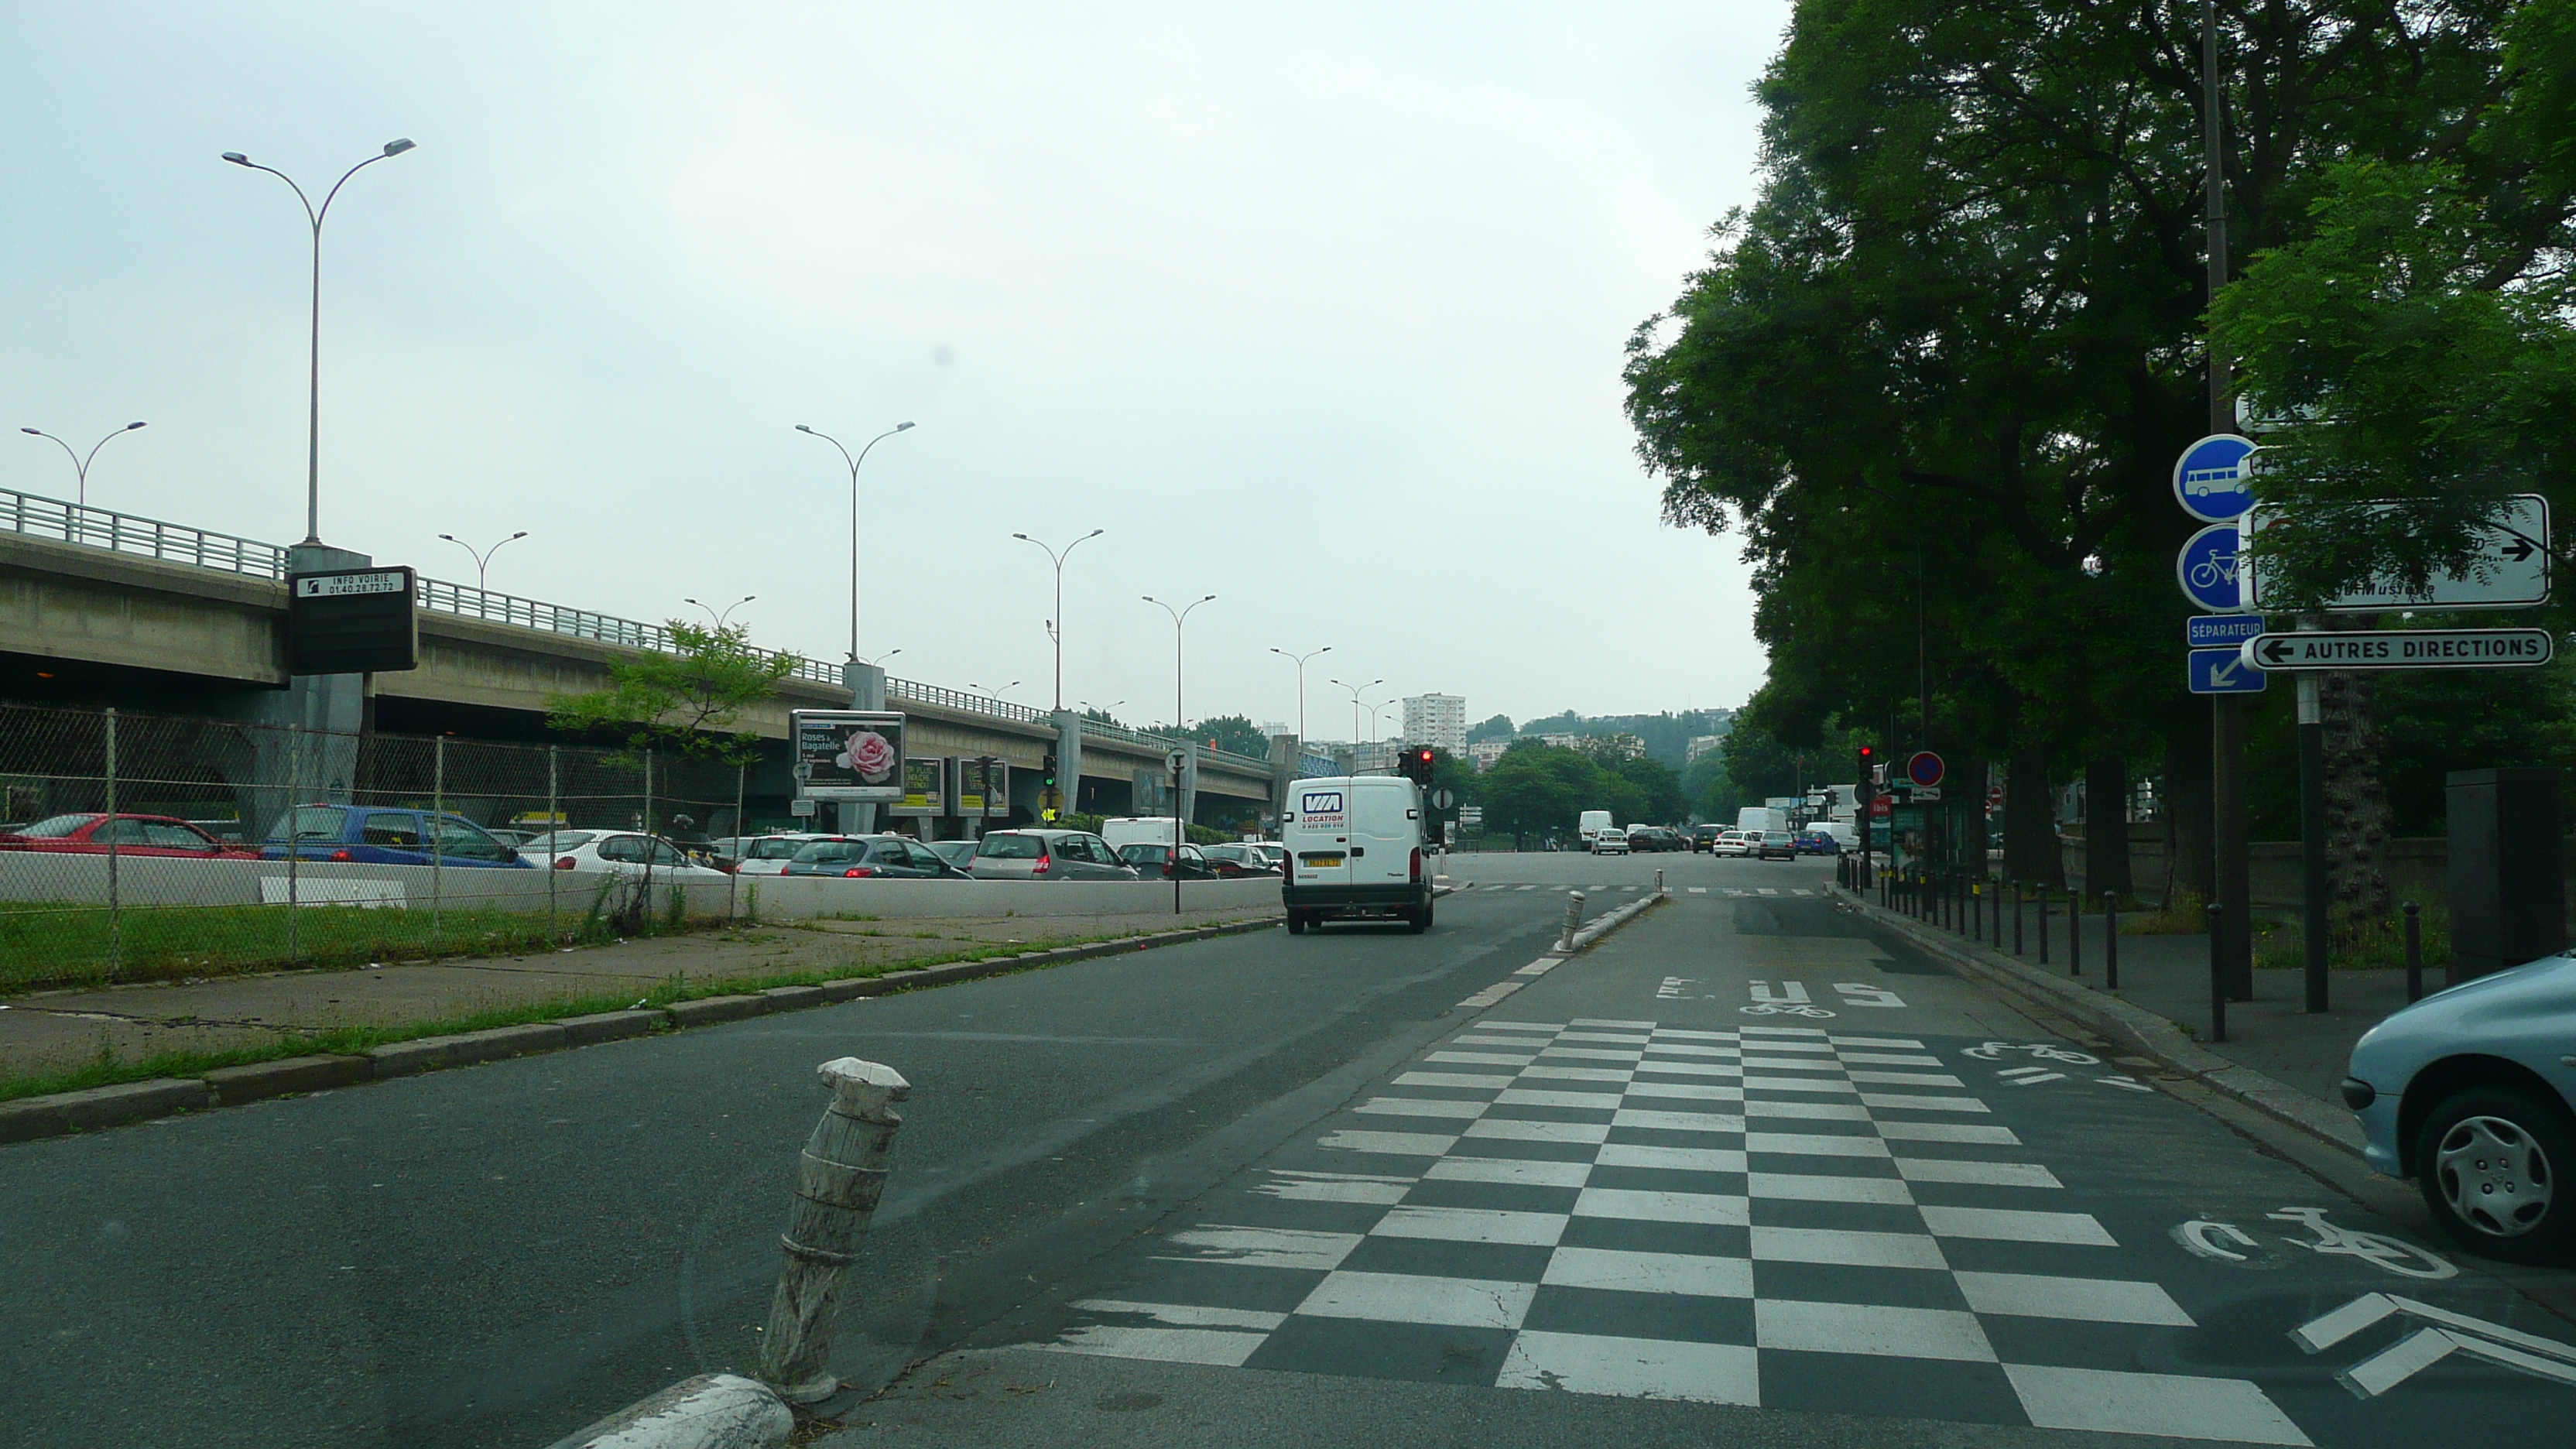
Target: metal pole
x,y
2043,923
2074,933
2111,942
2227,716
115,917
294,847
437,850
551,852
839,1177
2312,836
2217,971
2414,952
2016,885
738,835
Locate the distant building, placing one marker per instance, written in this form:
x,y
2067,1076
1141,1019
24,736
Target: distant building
x,y
1375,758
1563,742
1438,720
1485,752
1700,745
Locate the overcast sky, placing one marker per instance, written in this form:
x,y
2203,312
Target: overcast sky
x,y
1318,309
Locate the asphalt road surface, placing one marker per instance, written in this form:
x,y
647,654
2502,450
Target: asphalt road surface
x,y
1279,1190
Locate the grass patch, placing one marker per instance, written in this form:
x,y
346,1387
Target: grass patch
x,y
2357,945
2184,914
109,1068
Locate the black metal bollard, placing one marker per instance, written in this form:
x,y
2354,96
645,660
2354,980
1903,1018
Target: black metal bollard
x,y
2414,952
2043,923
2111,942
2074,933
2016,917
2217,973
1977,911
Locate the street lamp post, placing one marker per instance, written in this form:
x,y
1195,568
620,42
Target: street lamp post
x,y
1180,719
313,401
1356,691
1055,626
879,661
1300,660
992,689
854,516
483,556
80,462
720,619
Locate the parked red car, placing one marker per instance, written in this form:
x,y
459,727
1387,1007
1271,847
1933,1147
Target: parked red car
x,y
90,832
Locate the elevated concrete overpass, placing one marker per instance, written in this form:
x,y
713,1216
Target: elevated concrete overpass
x,y
99,607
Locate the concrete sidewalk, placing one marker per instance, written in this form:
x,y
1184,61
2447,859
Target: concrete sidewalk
x,y
56,1030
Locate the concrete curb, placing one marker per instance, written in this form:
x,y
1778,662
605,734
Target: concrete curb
x,y
26,1119
1584,938
711,1411
2132,1026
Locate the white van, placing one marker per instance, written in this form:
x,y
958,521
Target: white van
x,y
1354,852
1589,825
1129,830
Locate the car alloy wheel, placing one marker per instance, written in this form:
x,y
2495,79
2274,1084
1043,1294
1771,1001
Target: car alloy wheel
x,y
2487,1163
2494,1176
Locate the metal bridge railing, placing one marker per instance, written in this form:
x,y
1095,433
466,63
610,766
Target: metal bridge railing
x,y
149,537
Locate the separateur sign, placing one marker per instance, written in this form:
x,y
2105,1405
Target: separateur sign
x,y
2401,649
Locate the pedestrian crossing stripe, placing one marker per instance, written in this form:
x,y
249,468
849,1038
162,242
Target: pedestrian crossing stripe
x,y
1620,1208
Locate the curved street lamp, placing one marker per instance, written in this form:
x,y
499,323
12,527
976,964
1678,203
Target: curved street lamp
x,y
483,557
879,661
994,690
723,618
854,516
1300,660
1055,626
313,404
1356,690
80,463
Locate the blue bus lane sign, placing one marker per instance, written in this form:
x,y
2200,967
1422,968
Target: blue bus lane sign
x,y
2224,671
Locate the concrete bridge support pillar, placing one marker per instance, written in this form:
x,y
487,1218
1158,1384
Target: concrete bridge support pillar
x,y
1068,756
321,763
867,686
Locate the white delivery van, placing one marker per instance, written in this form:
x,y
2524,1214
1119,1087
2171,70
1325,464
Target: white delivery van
x,y
1589,824
1760,819
1354,852
1127,830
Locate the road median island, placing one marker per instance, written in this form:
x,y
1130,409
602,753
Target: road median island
x,y
2132,1026
1579,940
294,1061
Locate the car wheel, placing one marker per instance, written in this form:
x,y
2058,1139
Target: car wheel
x,y
1430,911
1296,923
2487,1161
1417,920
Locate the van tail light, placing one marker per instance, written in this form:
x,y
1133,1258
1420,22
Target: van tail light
x,y
1044,862
858,872
1288,867
1417,865
563,862
340,855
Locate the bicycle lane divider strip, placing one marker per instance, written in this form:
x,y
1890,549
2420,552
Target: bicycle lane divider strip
x,y
1583,940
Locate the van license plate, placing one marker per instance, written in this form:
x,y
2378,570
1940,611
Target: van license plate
x,y
1320,862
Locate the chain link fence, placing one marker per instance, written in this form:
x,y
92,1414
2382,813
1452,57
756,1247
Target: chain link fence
x,y
156,847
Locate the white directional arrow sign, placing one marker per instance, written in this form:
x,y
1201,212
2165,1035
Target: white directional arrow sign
x,y
2510,571
2401,649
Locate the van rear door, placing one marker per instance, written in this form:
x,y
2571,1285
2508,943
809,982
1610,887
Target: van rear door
x,y
1387,822
1318,832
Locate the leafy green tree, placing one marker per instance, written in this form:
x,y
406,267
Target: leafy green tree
x,y
1497,728
1536,790
1232,732
688,700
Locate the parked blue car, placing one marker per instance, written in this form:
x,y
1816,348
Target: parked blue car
x,y
2468,1093
385,835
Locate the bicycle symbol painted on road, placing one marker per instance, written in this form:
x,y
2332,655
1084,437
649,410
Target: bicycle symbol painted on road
x,y
1784,1008
1993,1051
2036,1075
2220,1241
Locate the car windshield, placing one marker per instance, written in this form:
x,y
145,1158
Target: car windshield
x,y
1134,853
774,848
830,852
1010,846
1775,837
310,822
562,840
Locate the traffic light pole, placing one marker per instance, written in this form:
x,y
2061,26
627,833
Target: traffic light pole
x,y
2234,943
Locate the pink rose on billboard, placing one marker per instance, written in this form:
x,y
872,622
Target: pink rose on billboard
x,y
869,755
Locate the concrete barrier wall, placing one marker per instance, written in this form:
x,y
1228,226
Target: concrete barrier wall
x,y
144,881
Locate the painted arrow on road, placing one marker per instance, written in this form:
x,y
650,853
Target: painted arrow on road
x,y
2444,1334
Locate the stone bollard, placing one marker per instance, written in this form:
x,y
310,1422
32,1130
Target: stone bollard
x,y
1573,920
838,1180
1659,882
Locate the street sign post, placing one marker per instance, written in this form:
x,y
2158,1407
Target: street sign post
x,y
2206,569
2222,671
2510,570
2213,480
2401,649
353,621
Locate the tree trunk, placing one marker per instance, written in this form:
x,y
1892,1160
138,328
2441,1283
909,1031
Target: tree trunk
x,y
2030,821
2357,820
2191,840
2106,826
1968,778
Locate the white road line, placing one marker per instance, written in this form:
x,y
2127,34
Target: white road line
x,y
1699,890
1471,1225
1814,1144
1650,1368
1637,1205
1679,1159
1507,1170
1985,1174
1420,1298
1246,1247
1901,1131
1541,1097
2016,1225
1403,1144
1811,1111
1290,1186
2087,1300
1845,1247
1506,1129
1677,1121
1909,1079
1215,1347
1419,1107
2178,1405
1629,1272
1900,1102
1485,1059
1452,1079
1808,1187
1940,1333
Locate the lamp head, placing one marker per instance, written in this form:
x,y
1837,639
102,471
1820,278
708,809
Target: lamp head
x,y
398,145
237,158
39,432
1024,537
899,427
1095,533
451,538
130,427
800,427
522,533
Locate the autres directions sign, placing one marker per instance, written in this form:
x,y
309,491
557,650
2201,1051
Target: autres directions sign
x,y
2401,649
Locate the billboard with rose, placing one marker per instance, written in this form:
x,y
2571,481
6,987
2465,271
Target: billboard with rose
x,y
848,754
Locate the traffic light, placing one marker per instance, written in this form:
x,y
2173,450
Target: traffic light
x,y
1867,790
1417,765
1046,771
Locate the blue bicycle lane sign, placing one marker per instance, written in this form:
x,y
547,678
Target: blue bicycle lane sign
x,y
2207,569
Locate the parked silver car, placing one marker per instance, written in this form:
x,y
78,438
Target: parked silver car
x,y
1048,855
